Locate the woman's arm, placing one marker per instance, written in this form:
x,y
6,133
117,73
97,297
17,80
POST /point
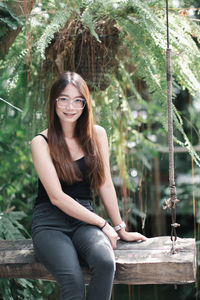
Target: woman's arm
x,y
48,176
107,190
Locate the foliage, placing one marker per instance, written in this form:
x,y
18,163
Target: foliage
x,y
143,39
10,226
58,22
24,289
8,19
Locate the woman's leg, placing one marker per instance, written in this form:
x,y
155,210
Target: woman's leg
x,y
94,247
56,251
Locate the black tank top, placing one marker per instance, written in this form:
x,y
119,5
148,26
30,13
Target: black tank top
x,y
80,189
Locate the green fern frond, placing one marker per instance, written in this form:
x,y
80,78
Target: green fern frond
x,y
88,21
58,22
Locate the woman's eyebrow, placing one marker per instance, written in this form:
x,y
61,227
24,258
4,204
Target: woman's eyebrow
x,y
80,96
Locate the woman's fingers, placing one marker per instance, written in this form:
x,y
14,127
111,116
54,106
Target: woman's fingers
x,y
124,235
111,234
131,236
140,237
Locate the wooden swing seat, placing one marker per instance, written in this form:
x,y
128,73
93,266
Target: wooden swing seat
x,y
149,262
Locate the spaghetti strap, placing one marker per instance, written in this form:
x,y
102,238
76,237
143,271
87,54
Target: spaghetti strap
x,y
46,139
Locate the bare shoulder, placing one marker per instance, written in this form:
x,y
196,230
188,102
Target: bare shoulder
x,y
102,142
39,140
100,131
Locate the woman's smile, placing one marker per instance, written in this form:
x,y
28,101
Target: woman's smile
x,y
69,114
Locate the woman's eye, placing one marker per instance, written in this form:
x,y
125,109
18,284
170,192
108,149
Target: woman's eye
x,y
63,99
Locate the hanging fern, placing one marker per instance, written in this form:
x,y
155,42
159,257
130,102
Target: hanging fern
x,y
89,21
154,65
58,22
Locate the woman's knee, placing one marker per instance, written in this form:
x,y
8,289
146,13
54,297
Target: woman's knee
x,y
103,261
95,248
106,262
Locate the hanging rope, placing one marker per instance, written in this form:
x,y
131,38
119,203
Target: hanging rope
x,y
171,202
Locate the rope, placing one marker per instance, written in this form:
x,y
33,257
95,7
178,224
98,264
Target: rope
x,y
171,202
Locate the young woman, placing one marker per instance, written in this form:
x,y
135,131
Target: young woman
x,y
71,158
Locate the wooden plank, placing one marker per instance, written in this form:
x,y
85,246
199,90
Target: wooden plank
x,y
153,263
149,262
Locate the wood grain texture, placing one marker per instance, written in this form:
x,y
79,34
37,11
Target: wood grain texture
x,y
149,262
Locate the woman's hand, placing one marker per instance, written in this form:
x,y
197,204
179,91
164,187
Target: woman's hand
x,y
111,234
131,236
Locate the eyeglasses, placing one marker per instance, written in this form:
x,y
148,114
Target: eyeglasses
x,y
76,104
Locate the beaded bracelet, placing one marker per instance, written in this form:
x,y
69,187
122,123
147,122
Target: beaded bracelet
x,y
104,225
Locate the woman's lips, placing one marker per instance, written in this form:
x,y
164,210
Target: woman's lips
x,y
69,115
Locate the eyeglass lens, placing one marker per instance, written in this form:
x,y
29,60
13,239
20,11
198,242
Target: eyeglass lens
x,y
77,103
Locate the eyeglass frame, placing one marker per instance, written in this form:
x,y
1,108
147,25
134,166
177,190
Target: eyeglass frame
x,y
71,101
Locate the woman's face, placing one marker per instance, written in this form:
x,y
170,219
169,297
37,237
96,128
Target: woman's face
x,y
69,104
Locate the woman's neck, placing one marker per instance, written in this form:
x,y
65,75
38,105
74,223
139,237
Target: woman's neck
x,y
68,130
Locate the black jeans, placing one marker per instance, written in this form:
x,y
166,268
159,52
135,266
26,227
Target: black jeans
x,y
59,240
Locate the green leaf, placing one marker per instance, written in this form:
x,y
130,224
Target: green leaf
x,y
58,22
9,22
